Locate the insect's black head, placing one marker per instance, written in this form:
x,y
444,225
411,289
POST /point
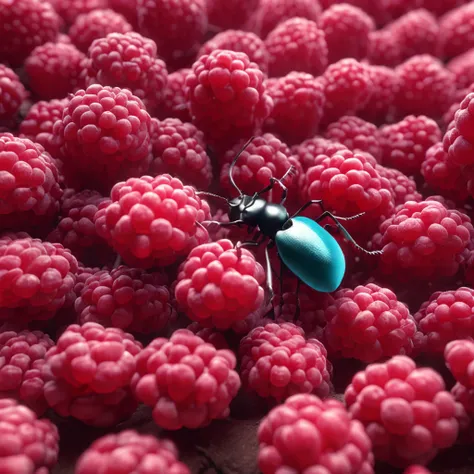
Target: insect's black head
x,y
238,205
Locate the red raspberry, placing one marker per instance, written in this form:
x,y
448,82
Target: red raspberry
x,y
310,149
403,187
423,240
95,25
383,50
105,136
306,434
226,96
128,61
71,9
347,88
465,397
356,134
29,190
377,9
296,44
298,100
239,41
457,31
439,7
179,149
347,30
174,102
459,356
462,67
21,361
127,8
126,298
176,26
228,14
368,324
404,144
153,221
426,87
277,361
219,285
186,380
83,273
136,452
29,445
415,469
12,95
25,24
210,335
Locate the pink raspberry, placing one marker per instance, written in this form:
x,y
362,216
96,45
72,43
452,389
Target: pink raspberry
x,y
383,50
306,434
174,102
439,7
377,9
368,324
406,411
356,134
310,149
210,335
457,31
462,67
226,96
346,29
299,101
425,87
416,469
228,14
239,41
135,452
423,241
299,45
69,10
12,95
105,136
186,381
347,88
25,24
96,24
277,361
404,144
153,221
219,285
179,149
403,187
459,356
29,445
127,8
465,397
126,298
128,61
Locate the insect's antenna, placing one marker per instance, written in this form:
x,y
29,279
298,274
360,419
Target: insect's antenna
x,y
231,169
205,193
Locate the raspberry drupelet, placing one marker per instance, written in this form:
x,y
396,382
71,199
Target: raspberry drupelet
x,y
404,144
307,434
134,452
459,356
310,149
179,149
416,469
12,95
25,24
219,284
128,61
346,29
406,411
457,31
95,25
299,101
210,335
174,102
69,10
227,97
126,298
228,14
153,221
105,137
382,49
462,67
29,445
299,45
403,187
187,381
277,361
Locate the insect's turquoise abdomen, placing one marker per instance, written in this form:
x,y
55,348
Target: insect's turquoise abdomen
x,y
312,254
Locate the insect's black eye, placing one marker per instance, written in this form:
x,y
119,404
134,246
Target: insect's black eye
x,y
287,224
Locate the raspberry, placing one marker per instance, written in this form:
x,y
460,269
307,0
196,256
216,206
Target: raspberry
x,y
12,95
457,31
404,144
126,298
306,434
25,24
153,221
186,381
426,87
423,241
228,14
226,96
368,324
134,451
29,445
403,187
95,25
239,41
310,149
219,285
69,10
382,49
298,106
174,102
105,136
179,149
356,134
127,8
21,359
415,469
176,26
438,7
462,67
299,45
459,356
29,191
346,29
347,88
210,335
465,397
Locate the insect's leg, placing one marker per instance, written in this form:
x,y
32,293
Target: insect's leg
x,y
240,245
308,204
282,269
297,292
269,276
224,224
274,181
